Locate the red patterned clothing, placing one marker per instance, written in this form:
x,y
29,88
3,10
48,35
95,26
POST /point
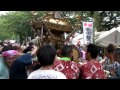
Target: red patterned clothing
x,y
70,69
92,70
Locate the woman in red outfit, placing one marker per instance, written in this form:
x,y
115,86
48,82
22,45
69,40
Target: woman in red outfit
x,y
66,65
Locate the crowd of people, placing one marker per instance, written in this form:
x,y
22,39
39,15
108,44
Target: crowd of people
x,y
46,62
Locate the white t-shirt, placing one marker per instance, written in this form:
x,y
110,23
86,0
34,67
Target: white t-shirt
x,y
46,74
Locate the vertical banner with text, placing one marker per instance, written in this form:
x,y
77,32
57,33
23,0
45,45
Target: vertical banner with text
x,y
88,32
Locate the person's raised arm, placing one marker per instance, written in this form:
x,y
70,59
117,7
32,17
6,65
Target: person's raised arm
x,y
34,50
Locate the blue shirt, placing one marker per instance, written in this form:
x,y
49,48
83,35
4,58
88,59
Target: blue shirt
x,y
26,59
18,69
4,70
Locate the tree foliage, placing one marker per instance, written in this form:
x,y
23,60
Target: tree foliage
x,y
18,22
103,20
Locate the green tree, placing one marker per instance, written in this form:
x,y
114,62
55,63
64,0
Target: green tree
x,y
18,22
110,19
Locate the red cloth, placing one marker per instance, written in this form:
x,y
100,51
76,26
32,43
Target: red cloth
x,y
92,70
69,68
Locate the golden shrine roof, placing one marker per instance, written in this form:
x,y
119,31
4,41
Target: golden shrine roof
x,y
58,24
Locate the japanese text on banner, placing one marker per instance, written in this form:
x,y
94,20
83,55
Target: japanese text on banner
x,y
88,32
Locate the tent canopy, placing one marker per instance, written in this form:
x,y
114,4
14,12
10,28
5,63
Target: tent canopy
x,y
109,37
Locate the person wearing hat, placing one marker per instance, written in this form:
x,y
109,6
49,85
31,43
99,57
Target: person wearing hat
x,y
8,56
19,68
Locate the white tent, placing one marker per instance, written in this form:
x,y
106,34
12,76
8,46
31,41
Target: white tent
x,y
109,37
79,37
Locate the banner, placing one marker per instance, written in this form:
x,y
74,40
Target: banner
x,y
88,32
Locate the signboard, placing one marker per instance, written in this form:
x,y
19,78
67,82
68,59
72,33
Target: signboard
x,y
88,32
